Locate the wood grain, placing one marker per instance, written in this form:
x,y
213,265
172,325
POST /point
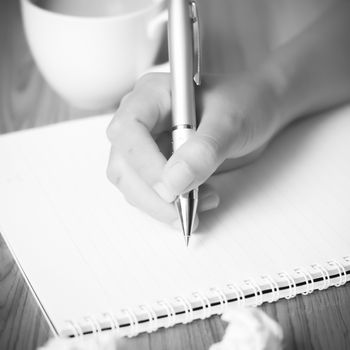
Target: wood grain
x,y
319,321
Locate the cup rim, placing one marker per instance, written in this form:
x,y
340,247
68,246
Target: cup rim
x,y
158,4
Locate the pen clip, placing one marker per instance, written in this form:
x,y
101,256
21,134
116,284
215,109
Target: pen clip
x,y
197,58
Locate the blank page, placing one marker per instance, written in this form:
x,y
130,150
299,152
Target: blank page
x,y
86,251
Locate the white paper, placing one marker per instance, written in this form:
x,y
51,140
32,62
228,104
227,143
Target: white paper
x,y
86,251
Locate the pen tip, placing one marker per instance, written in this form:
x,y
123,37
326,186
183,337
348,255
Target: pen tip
x,y
187,240
186,206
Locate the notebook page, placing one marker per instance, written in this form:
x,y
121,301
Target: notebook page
x,y
86,251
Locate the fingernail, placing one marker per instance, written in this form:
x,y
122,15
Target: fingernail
x,y
206,192
179,176
209,202
164,192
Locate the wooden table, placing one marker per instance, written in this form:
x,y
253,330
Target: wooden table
x,y
319,321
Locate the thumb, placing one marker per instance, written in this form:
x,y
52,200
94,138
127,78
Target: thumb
x,y
197,159
192,164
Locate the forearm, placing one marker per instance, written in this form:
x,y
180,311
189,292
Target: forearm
x,y
311,72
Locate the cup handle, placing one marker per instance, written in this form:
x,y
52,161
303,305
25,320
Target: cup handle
x,y
157,22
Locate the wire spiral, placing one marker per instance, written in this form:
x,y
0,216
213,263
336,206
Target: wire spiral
x,y
166,312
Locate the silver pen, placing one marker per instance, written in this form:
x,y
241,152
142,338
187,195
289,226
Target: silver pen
x,y
185,62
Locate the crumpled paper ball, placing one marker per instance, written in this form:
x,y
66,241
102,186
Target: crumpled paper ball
x,y
100,342
250,329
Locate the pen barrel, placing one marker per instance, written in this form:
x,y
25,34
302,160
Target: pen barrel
x,y
181,54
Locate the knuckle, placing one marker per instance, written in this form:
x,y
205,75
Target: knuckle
x,y
157,91
115,129
146,79
113,176
210,148
147,170
163,100
242,130
134,109
115,173
233,121
244,137
154,79
131,201
125,98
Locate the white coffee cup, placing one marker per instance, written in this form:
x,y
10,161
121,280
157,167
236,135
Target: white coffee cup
x,y
92,61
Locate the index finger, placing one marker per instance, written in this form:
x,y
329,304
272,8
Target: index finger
x,y
149,104
144,110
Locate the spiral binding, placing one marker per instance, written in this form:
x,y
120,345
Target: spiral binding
x,y
205,303
74,326
292,287
222,298
238,291
114,325
95,325
251,292
187,308
170,312
309,282
274,288
325,276
152,317
133,321
341,271
257,291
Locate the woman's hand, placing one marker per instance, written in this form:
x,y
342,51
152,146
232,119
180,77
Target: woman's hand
x,y
237,118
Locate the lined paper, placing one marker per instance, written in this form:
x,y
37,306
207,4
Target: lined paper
x,y
86,251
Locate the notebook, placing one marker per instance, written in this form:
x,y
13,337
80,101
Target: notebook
x,y
95,263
